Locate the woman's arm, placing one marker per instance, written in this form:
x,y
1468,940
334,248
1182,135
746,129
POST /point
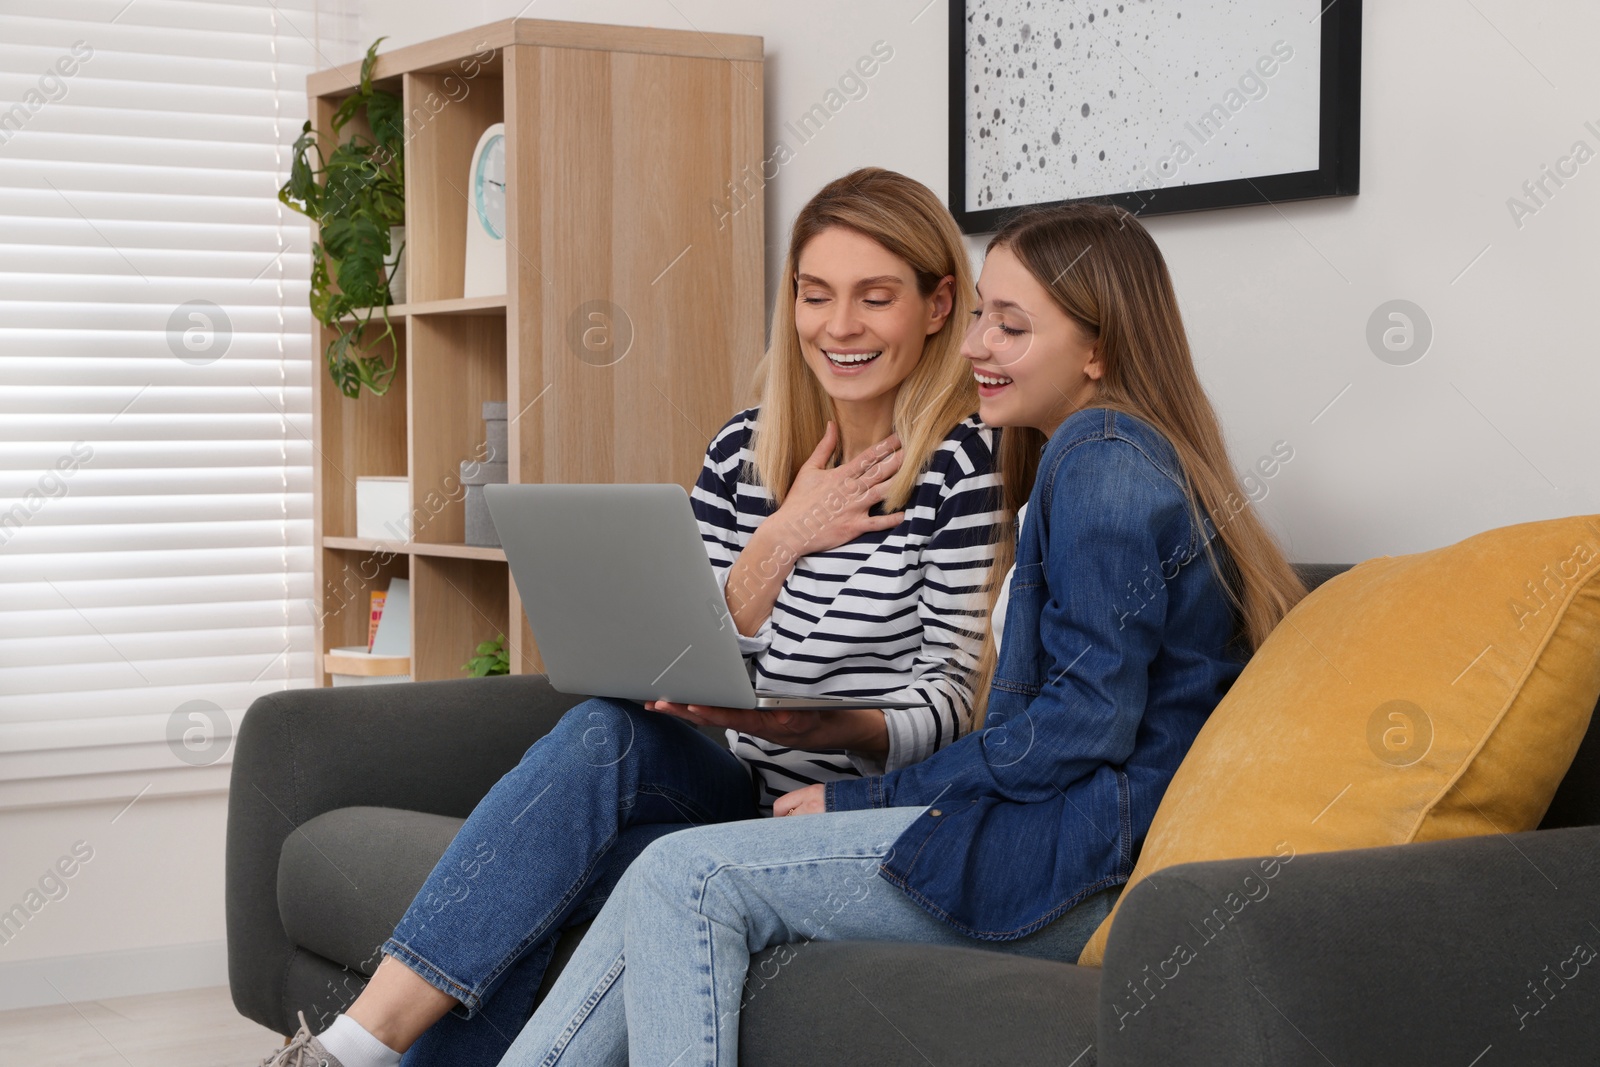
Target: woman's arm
x,y
958,535
955,558
859,731
824,508
1108,513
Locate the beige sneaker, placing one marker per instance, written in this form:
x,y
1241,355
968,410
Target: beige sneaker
x,y
303,1050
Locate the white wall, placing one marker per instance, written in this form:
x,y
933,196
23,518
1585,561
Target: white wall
x,y
1461,103
143,914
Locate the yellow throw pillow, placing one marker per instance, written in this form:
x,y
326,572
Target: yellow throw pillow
x,y
1411,698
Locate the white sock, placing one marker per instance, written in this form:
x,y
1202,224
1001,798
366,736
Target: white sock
x,y
352,1046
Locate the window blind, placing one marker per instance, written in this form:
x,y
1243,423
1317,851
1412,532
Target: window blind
x,y
155,388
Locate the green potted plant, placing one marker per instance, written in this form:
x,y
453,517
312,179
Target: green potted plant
x,y
491,659
356,195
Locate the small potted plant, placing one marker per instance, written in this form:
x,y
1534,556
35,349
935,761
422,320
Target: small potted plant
x,y
356,196
491,659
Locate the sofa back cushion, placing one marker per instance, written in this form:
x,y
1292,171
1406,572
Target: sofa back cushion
x,y
1411,698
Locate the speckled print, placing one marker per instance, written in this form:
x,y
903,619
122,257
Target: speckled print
x,y
1071,99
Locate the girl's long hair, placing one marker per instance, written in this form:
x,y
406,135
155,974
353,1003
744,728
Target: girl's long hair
x,y
1103,269
907,219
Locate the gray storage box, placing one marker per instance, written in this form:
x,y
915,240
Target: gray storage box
x,y
480,527
494,428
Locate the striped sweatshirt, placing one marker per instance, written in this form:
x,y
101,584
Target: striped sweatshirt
x,y
897,614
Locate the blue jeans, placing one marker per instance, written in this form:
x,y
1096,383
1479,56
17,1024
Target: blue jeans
x,y
688,913
541,852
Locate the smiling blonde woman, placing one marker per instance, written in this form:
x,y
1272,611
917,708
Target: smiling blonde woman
x,y
852,519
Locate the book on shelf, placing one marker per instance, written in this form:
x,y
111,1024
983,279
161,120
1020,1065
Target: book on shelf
x,y
393,635
386,658
378,596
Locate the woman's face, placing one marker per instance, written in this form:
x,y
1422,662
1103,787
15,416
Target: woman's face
x,y
859,316
1033,362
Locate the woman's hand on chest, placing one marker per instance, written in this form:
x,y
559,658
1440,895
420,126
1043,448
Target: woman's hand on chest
x,y
830,506
825,507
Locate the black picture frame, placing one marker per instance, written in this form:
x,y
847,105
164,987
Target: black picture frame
x,y
1339,138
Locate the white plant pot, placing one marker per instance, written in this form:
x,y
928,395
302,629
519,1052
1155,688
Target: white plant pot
x,y
394,264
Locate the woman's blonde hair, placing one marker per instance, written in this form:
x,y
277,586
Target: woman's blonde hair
x,y
905,218
1104,270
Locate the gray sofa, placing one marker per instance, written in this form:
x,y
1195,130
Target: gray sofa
x,y
1476,953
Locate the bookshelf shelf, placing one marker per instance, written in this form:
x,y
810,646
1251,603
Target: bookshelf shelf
x,y
464,305
621,144
415,548
461,305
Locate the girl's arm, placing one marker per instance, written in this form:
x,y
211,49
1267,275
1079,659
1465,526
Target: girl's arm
x,y
1108,514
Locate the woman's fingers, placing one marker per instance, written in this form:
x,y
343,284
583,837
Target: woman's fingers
x,y
810,800
824,450
782,727
879,523
745,720
704,713
877,493
883,469
677,711
865,481
886,522
875,457
698,714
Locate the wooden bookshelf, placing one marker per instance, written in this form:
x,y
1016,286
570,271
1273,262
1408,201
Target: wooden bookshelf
x,y
621,144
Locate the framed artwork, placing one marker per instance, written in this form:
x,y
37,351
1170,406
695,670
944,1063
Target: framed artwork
x,y
1157,105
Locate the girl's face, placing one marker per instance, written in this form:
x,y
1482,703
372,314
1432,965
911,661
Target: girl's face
x,y
1033,362
859,316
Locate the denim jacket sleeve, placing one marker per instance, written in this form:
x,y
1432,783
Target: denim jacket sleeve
x,y
1106,510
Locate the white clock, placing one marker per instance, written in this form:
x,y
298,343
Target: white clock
x,y
486,216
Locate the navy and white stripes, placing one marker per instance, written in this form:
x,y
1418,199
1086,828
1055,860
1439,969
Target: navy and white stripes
x,y
897,614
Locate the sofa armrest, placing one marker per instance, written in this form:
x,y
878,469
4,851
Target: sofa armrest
x,y
1420,953
435,747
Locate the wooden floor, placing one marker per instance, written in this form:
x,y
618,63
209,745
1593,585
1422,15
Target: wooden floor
x,y
195,1028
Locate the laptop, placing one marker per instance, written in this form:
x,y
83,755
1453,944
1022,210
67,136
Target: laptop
x,y
622,600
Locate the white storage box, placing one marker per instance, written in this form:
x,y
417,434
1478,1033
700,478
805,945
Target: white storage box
x,y
383,509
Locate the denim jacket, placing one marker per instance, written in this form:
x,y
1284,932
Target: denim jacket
x,y
1119,640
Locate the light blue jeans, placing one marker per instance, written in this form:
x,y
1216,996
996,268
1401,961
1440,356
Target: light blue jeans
x,y
686,916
